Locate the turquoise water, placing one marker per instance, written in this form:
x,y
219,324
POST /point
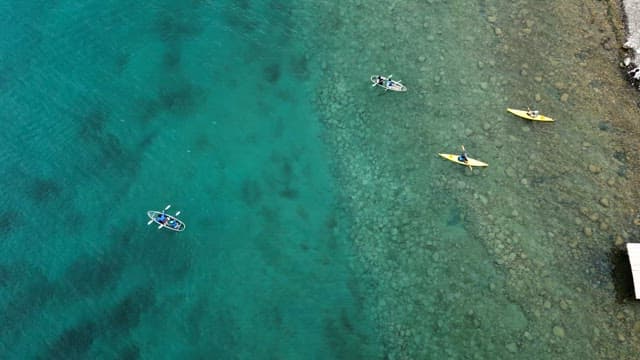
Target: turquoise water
x,y
321,224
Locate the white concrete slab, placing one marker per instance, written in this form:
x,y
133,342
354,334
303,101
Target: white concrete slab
x,y
634,259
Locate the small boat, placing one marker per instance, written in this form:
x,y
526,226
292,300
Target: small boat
x,y
525,115
388,84
470,162
165,220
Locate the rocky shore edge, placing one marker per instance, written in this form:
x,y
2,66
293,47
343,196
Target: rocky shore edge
x,y
631,62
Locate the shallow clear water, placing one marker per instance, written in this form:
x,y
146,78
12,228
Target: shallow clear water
x,y
520,259
320,221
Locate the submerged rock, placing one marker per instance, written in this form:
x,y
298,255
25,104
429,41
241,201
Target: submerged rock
x,y
558,331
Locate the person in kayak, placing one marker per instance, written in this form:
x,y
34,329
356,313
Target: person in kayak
x,y
380,80
463,157
173,223
533,113
389,82
162,218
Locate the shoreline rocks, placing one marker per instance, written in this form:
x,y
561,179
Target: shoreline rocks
x,y
631,9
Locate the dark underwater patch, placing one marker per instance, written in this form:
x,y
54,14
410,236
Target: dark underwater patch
x,y
9,220
130,352
342,337
121,61
5,275
42,190
240,20
287,170
251,192
123,236
183,98
331,222
289,193
115,158
147,109
272,73
175,25
89,275
172,57
223,339
202,142
300,67
73,220
74,343
243,5
31,291
159,251
126,314
93,123
146,141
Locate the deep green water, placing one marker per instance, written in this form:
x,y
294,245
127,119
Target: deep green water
x,y
320,222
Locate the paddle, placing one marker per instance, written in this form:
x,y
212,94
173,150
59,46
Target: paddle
x,y
152,220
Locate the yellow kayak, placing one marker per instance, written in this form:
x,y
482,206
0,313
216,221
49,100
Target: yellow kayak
x,y
523,114
470,161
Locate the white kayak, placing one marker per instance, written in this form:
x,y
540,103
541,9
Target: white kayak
x,y
388,84
164,220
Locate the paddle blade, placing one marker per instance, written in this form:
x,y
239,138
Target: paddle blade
x,y
150,221
167,208
178,213
160,227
